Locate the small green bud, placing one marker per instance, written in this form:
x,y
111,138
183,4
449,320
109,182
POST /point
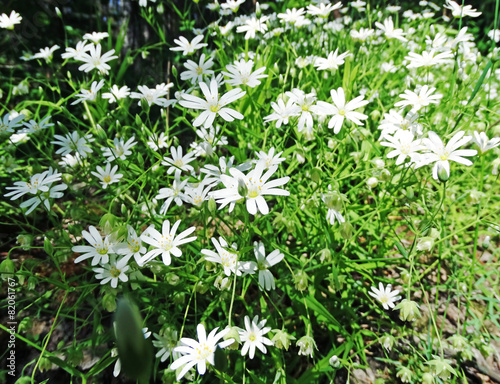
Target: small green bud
x,y
32,282
212,205
44,364
109,302
375,115
346,230
242,188
442,174
474,197
7,269
316,174
174,71
160,9
372,182
281,339
172,279
301,281
202,287
48,247
233,334
179,298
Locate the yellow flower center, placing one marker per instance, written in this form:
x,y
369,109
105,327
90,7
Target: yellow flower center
x,y
115,272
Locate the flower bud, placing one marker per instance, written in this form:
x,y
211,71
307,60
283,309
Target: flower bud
x,y
179,298
174,71
172,279
201,287
242,188
372,182
233,334
442,174
458,343
306,346
109,302
486,242
7,269
375,115
316,174
212,205
301,281
409,310
334,361
346,230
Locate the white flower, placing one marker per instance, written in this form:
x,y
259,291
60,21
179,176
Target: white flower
x,y
165,243
178,162
441,154
362,35
40,185
153,95
121,149
99,248
459,11
199,352
196,71
211,138
253,25
156,141
294,16
7,124
224,256
494,34
33,126
253,336
404,145
282,112
386,295
306,345
270,159
107,176
389,31
322,9
332,61
253,187
240,73
76,53
422,99
73,142
188,47
214,173
116,93
172,194
394,121
198,195
95,37
133,247
46,53
233,5
212,105
167,344
8,22
342,110
94,60
266,278
427,59
112,272
304,108
91,95
484,143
